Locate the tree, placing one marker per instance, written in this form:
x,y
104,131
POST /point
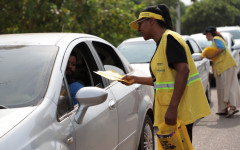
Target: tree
x,y
208,12
108,19
19,16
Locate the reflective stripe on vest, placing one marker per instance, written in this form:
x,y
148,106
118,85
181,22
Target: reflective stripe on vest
x,y
170,85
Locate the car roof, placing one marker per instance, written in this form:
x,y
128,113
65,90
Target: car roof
x,y
136,39
226,34
185,37
198,35
226,28
141,39
38,38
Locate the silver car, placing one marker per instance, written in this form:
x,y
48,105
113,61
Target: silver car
x,y
139,53
201,39
36,109
233,30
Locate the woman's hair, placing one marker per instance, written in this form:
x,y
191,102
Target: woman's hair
x,y
162,10
217,34
213,31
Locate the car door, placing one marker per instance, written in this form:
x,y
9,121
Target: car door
x,y
127,97
99,127
202,65
235,53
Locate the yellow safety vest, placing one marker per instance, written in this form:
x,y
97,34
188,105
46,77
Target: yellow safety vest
x,y
193,104
224,60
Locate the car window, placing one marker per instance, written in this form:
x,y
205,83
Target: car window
x,y
88,66
190,46
109,57
84,75
235,33
138,52
25,73
203,42
195,47
65,104
85,67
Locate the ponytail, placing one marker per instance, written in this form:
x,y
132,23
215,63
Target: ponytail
x,y
162,10
166,15
217,34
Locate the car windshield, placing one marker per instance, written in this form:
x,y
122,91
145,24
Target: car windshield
x,y
235,34
204,43
25,72
138,52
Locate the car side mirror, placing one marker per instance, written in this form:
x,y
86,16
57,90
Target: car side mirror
x,y
197,56
86,97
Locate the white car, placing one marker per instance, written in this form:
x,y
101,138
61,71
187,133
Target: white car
x,y
201,39
36,108
203,42
139,53
230,43
233,30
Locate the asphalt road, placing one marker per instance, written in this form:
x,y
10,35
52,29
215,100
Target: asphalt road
x,y
216,132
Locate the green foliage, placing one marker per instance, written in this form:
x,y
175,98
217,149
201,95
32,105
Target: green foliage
x,y
31,16
210,12
108,19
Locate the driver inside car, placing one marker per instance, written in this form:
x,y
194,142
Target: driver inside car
x,y
74,85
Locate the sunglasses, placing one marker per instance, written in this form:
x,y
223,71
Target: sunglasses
x,y
141,21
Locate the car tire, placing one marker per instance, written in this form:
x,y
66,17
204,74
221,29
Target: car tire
x,y
208,92
147,135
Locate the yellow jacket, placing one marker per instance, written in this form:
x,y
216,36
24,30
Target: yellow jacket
x,y
224,60
193,104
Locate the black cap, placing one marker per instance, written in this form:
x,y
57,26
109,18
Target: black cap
x,y
210,29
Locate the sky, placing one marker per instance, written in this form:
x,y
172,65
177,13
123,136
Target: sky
x,y
186,2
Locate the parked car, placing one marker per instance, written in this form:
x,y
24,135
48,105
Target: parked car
x,y
230,43
201,39
203,42
36,108
236,47
233,30
139,53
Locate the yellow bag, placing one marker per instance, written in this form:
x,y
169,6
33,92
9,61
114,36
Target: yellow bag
x,y
209,51
173,137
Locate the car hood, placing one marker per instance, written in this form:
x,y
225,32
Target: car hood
x,y
143,67
9,118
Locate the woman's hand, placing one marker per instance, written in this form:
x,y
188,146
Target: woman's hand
x,y
130,79
171,116
136,79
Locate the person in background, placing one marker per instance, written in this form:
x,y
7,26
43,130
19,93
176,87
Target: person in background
x,y
74,86
179,92
225,69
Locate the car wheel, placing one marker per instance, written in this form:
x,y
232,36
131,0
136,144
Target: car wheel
x,y
208,92
147,135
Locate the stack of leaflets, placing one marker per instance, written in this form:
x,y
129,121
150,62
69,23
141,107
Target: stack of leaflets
x,y
111,75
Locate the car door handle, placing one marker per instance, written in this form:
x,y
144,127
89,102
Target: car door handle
x,y
112,104
69,140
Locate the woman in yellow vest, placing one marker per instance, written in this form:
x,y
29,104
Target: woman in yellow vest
x,y
225,73
179,93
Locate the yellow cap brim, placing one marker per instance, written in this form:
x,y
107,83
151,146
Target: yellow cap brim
x,y
134,24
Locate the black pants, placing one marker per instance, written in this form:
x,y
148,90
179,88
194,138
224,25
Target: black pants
x,y
189,129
